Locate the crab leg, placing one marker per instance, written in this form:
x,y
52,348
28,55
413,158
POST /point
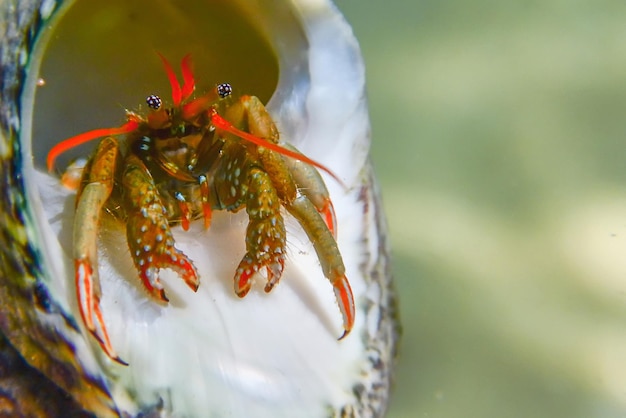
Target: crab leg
x,y
270,142
311,184
148,233
98,185
328,253
184,210
265,235
207,211
298,204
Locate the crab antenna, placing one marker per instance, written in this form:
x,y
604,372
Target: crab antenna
x,y
77,140
222,123
176,92
189,84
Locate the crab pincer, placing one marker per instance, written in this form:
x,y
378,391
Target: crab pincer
x,y
148,233
266,236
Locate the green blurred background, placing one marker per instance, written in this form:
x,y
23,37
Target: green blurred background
x,y
500,144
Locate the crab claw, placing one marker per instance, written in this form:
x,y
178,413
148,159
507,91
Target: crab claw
x,y
88,295
248,267
345,299
177,262
148,233
152,248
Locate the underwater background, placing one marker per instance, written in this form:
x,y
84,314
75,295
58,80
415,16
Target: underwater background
x,y
499,137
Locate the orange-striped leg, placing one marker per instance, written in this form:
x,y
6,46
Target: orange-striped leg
x,y
328,253
184,210
311,184
207,211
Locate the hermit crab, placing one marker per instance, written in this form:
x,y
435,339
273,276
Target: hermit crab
x,y
184,162
208,353
181,163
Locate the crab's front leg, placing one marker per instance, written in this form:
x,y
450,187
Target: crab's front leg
x,y
265,235
148,233
94,191
250,113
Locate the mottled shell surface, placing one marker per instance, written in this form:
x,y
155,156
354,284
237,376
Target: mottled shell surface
x,y
207,353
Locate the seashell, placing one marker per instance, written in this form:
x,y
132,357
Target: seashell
x,y
208,353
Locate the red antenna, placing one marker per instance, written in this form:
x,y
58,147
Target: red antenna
x,y
61,147
225,125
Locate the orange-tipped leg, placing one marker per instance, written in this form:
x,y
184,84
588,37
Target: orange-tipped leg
x,y
89,307
185,212
91,198
328,253
206,203
345,299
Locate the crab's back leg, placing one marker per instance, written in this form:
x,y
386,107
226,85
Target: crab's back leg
x,y
308,215
148,233
311,184
328,253
95,189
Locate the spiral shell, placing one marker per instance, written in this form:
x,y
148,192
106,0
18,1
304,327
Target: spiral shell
x,y
206,353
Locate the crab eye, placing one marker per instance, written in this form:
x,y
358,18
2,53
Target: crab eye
x,y
154,101
224,90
